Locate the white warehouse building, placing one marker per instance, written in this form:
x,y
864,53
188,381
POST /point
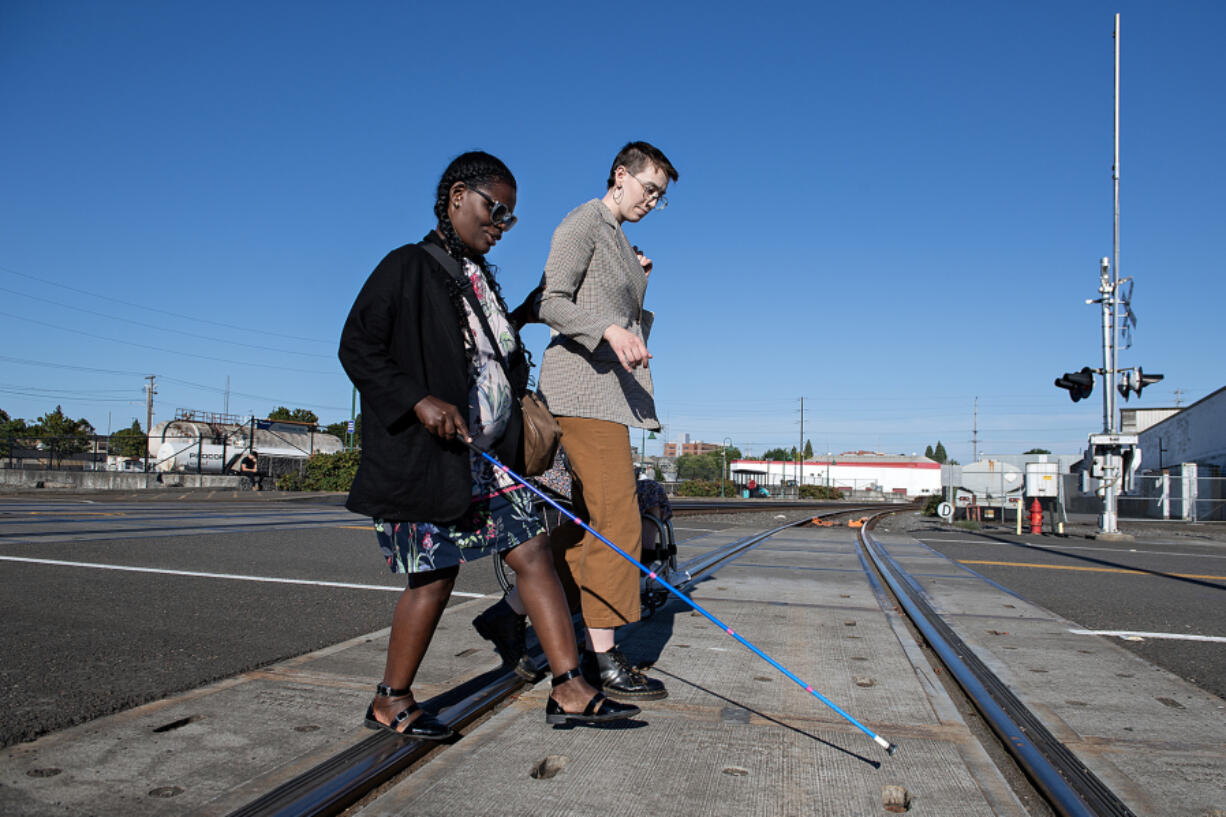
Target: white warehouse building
x,y
854,471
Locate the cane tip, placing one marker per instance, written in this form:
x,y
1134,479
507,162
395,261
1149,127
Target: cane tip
x,y
891,749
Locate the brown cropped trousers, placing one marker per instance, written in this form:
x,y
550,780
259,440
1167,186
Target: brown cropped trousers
x,y
599,582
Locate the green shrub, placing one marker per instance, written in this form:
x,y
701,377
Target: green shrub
x,y
324,472
706,487
930,506
967,524
819,492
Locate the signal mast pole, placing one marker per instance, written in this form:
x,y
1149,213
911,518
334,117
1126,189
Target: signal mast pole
x,y
1109,282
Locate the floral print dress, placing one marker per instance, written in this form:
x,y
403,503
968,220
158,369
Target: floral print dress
x,y
502,514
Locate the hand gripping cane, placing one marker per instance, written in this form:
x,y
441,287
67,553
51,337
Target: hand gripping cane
x,y
890,748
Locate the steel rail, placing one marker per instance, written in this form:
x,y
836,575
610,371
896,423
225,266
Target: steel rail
x,y
1070,788
703,564
330,787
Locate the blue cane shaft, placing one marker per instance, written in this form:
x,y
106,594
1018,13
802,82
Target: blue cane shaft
x,y
712,618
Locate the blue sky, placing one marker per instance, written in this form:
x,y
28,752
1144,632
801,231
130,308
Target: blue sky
x,y
889,209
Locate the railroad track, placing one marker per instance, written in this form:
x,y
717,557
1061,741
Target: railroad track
x,y
1068,787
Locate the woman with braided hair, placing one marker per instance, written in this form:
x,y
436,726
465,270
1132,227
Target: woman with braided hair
x,y
430,349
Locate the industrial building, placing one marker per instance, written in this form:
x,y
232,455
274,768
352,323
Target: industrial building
x,y
852,471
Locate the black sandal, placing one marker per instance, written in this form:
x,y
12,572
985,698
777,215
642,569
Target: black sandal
x,y
424,727
598,710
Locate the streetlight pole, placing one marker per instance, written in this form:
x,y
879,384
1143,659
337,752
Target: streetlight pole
x,y
723,458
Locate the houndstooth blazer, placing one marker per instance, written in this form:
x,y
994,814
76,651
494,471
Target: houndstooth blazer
x,y
594,280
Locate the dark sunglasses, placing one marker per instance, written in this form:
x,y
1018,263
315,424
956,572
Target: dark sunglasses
x,y
499,212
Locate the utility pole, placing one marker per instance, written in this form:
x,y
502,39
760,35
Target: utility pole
x,y
800,449
975,433
227,408
149,392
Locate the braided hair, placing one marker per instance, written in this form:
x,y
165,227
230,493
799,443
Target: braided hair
x,y
474,168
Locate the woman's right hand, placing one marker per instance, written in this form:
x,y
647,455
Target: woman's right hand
x,y
441,418
628,347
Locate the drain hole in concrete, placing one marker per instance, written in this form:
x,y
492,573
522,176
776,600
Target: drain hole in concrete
x,y
1172,703
549,767
849,623
1076,703
179,724
844,595
858,658
895,799
306,727
166,791
468,651
1032,669
865,681
735,771
50,772
762,678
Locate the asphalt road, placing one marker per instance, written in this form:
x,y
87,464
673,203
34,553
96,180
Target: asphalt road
x,y
1166,590
109,604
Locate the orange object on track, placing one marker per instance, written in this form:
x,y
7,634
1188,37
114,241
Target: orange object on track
x,y
857,523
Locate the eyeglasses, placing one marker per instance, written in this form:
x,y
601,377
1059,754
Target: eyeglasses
x,y
499,212
652,192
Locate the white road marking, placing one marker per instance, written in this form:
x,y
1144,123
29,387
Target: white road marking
x,y
232,576
1133,634
1061,548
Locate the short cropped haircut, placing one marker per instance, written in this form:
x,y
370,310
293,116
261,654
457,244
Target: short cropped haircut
x,y
636,156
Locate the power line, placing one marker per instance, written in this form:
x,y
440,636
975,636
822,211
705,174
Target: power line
x,y
160,348
278,400
162,328
12,271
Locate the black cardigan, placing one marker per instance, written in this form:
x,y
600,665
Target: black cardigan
x,y
402,342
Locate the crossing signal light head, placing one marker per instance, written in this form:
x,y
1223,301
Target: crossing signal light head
x,y
1079,384
1134,380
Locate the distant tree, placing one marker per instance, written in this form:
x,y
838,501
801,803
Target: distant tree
x,y
794,454
1037,451
341,430
928,452
61,435
808,449
952,462
11,430
938,453
706,466
298,415
129,442
776,454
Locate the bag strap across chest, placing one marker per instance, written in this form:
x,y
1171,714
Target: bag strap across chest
x,y
453,269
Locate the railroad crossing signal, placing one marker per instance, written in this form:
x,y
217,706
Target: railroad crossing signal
x,y
1079,384
1134,380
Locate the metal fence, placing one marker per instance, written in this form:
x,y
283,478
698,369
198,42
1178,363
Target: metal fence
x,y
80,453
1189,493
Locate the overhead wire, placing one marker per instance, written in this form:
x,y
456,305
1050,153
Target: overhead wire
x,y
130,322
160,348
12,271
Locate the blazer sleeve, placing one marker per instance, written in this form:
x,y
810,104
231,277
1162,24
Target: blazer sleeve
x,y
570,255
366,343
